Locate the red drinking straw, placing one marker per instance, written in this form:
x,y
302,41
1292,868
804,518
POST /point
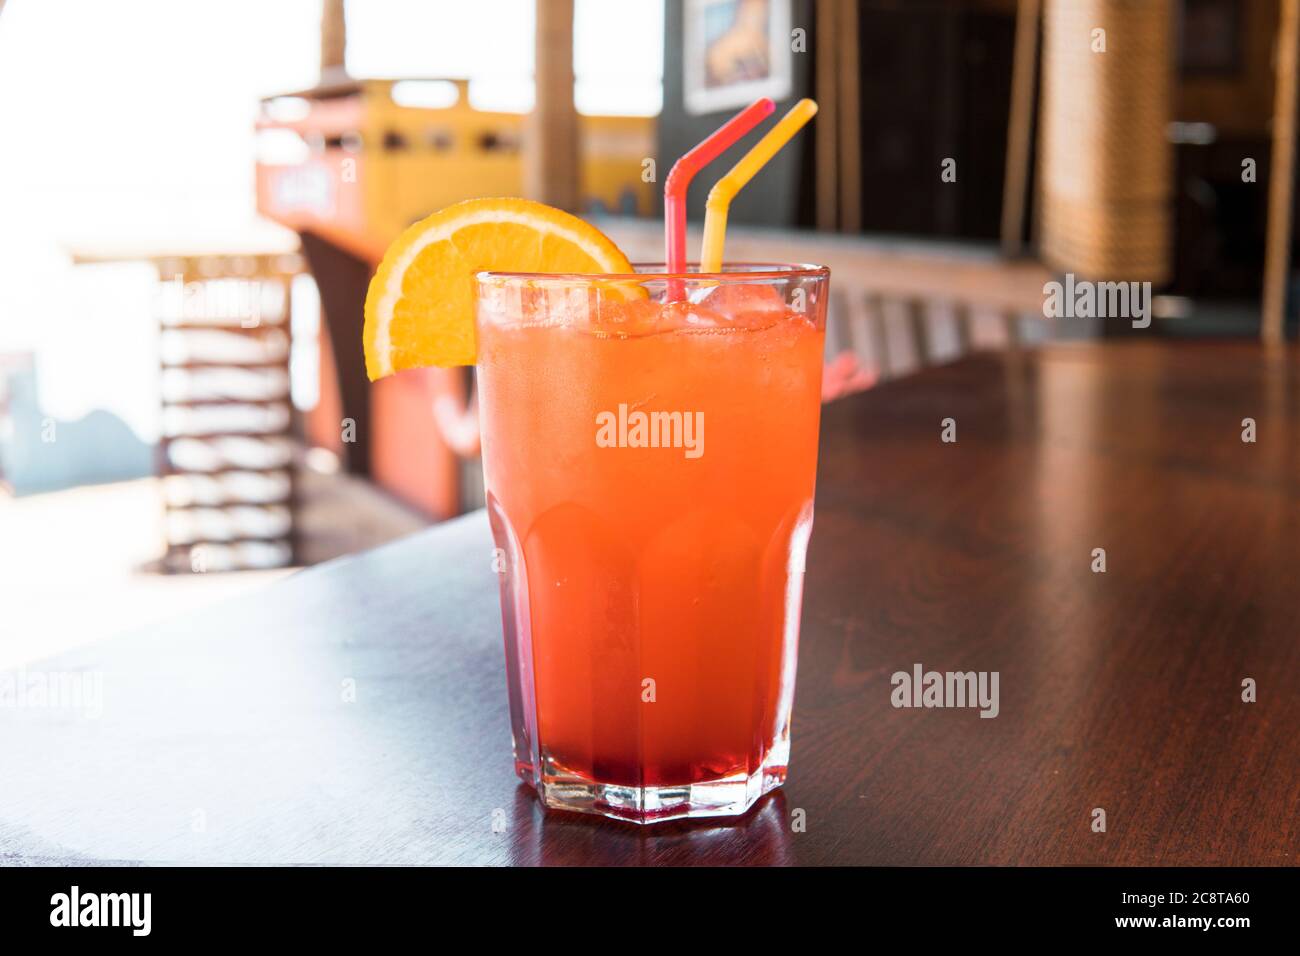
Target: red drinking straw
x,y
684,170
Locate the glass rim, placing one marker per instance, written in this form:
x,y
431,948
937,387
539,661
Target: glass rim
x,y
731,272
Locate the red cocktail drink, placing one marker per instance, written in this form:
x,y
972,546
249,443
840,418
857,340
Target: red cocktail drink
x,y
650,468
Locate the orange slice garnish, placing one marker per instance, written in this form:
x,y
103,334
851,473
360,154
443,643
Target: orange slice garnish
x,y
420,307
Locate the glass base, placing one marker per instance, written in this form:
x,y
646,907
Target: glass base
x,y
729,796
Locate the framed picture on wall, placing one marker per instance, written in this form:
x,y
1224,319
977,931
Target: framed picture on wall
x,y
735,52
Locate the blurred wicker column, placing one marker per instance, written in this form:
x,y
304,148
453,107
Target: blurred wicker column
x,y
1105,163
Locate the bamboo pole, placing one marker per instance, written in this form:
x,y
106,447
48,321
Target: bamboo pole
x,y
551,145
333,38
1016,178
1281,186
850,120
827,179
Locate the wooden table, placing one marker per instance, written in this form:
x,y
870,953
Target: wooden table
x,y
228,736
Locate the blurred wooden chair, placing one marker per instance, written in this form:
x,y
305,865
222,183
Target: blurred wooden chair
x,y
896,305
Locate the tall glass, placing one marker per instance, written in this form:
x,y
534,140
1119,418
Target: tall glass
x,y
650,450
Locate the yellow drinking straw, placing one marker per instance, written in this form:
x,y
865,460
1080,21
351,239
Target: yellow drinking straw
x,y
720,196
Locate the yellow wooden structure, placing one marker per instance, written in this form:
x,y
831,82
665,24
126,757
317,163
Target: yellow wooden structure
x,y
352,163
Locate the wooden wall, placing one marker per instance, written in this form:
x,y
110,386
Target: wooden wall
x,y
1238,103
780,195
933,81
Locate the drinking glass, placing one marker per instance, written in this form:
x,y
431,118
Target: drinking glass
x,y
649,450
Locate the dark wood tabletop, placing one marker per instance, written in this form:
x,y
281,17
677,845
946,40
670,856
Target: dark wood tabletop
x,y
356,712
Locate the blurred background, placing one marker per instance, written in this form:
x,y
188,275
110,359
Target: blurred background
x,y
193,196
